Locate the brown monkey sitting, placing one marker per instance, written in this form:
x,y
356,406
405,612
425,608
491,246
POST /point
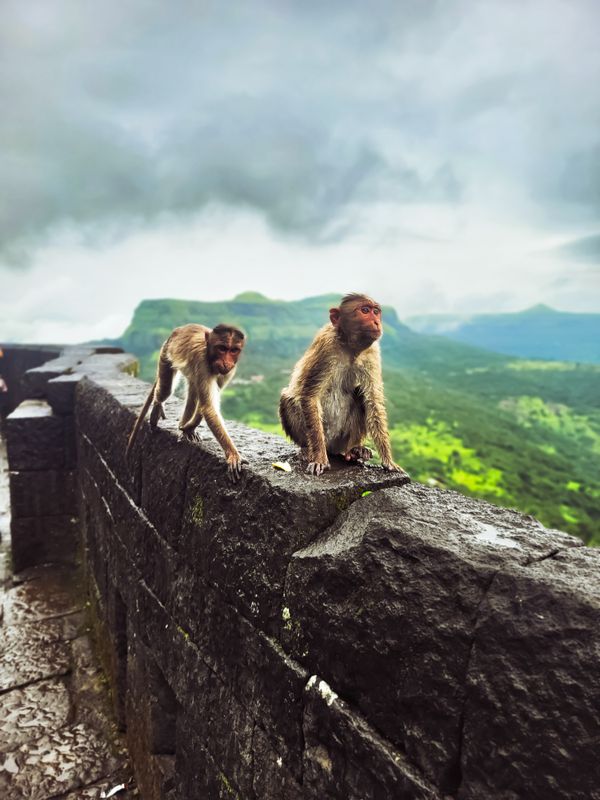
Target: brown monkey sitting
x,y
335,396
207,359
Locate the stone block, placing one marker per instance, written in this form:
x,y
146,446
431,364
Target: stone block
x,y
272,776
35,438
384,607
346,758
60,392
532,713
42,540
43,493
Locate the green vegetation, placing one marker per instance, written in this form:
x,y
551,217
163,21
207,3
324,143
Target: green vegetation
x,y
519,433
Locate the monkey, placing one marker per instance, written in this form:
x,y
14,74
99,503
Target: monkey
x,y
335,395
208,360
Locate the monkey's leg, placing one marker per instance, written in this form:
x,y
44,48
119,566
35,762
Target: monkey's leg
x,y
191,405
188,425
292,423
164,385
292,420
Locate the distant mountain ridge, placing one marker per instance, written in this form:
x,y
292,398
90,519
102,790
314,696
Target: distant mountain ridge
x,y
537,332
279,331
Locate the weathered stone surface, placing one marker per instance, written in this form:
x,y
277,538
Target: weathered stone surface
x,y
41,540
35,381
43,493
31,652
532,712
56,763
60,392
385,605
109,440
275,514
25,714
347,760
151,724
48,594
272,776
35,437
197,774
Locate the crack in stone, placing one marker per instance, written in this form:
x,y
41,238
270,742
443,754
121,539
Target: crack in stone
x,y
539,559
456,768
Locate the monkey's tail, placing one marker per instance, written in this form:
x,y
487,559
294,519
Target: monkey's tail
x,y
140,419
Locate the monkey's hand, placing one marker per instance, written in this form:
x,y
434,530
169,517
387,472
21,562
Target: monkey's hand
x,y
234,467
317,467
392,467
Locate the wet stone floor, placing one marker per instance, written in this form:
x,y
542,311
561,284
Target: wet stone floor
x,y
57,736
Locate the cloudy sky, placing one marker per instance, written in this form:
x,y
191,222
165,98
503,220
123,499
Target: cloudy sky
x,y
443,155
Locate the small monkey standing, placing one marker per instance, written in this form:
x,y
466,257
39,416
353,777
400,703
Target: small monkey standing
x,y
335,396
207,359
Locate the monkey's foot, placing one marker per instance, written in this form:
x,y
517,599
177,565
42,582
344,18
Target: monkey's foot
x,y
358,454
157,412
391,467
190,434
316,468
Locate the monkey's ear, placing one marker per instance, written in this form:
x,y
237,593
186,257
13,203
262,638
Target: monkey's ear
x,y
334,316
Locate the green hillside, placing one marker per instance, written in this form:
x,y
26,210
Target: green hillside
x,y
520,433
538,332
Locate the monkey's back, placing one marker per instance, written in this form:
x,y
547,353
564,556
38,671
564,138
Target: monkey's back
x,y
186,347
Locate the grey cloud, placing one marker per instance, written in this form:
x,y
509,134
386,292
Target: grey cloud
x,y
299,111
585,249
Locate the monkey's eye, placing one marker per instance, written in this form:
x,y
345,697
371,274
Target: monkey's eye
x,y
235,350
221,348
365,309
377,311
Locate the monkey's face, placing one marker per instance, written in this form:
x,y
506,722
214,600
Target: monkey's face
x,y
223,356
365,319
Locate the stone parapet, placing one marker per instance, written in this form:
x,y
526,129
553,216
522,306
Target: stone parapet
x,y
294,637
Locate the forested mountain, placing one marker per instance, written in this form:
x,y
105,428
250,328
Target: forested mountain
x,y
520,433
538,332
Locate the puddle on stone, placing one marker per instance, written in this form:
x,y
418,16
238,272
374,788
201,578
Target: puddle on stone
x,y
491,535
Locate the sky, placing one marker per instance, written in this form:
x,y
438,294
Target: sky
x,y
441,155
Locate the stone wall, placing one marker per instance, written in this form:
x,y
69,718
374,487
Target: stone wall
x,y
298,637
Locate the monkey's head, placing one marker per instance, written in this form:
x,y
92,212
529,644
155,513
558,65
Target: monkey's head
x,y
224,346
357,320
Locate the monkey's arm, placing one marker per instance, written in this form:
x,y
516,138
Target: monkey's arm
x,y
377,422
217,428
